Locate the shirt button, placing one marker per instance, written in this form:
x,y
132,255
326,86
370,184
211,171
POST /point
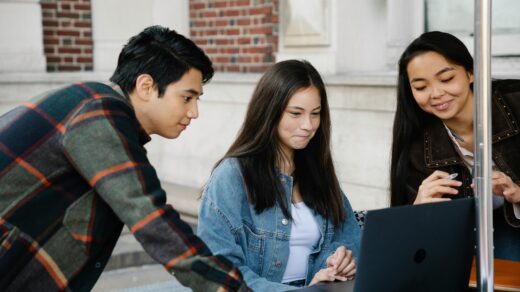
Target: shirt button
x,y
278,263
98,265
285,221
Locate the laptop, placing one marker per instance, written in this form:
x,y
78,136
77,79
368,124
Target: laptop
x,y
426,247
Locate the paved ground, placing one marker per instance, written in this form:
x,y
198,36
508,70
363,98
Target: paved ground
x,y
130,269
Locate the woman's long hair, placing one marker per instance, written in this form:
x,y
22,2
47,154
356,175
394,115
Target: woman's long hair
x,y
410,119
258,147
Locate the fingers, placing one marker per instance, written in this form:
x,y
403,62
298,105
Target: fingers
x,y
346,264
323,275
436,185
438,174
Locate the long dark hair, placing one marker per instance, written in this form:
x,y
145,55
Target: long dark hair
x,y
410,119
258,149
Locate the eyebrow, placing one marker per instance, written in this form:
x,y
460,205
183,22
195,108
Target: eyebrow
x,y
436,74
193,91
301,108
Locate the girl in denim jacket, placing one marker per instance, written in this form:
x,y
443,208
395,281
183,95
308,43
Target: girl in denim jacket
x,y
273,204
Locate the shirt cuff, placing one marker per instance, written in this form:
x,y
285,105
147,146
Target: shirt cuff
x,y
516,208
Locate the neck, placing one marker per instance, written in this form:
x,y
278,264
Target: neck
x,y
462,124
286,161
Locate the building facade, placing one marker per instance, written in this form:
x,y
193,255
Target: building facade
x,y
354,44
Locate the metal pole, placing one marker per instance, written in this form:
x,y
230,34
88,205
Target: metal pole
x,y
482,132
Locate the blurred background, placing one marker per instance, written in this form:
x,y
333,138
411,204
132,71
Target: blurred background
x,y
355,44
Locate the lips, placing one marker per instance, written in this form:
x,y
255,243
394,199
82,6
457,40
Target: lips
x,y
442,106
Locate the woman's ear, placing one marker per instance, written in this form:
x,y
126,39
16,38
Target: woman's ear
x,y
471,77
144,87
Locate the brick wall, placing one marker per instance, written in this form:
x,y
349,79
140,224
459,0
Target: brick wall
x,y
239,36
67,35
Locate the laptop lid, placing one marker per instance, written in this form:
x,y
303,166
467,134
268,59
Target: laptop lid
x,y
425,247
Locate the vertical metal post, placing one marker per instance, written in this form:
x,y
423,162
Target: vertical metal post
x,y
482,132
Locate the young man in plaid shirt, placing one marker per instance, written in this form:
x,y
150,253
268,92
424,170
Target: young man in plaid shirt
x,y
73,170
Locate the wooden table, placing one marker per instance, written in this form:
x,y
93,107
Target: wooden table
x,y
507,275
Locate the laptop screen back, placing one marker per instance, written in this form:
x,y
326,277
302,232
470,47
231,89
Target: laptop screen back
x,y
425,247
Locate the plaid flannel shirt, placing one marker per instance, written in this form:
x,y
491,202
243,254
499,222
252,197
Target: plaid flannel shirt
x,y
73,170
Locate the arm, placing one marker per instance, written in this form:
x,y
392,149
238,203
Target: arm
x,y
102,142
347,235
220,223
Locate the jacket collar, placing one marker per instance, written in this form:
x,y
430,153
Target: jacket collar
x,y
439,149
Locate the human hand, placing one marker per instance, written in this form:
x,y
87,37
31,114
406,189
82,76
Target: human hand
x,y
326,275
504,186
342,262
434,186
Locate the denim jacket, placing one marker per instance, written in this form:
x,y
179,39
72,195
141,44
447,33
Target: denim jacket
x,y
258,244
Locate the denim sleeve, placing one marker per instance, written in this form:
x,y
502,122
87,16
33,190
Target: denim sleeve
x,y
348,235
220,224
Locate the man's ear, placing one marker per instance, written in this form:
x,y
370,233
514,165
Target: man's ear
x,y
144,87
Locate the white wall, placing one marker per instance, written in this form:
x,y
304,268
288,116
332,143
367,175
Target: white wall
x,y
21,36
115,21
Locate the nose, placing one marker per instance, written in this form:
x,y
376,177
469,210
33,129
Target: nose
x,y
306,123
437,92
193,111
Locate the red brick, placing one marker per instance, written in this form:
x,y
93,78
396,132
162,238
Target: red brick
x,y
196,6
85,41
67,33
233,31
82,24
84,60
53,59
242,3
208,14
221,4
49,51
67,15
222,59
244,41
65,6
261,30
49,32
82,7
244,21
52,41
50,23
232,13
260,10
221,42
68,60
47,5
220,23
69,51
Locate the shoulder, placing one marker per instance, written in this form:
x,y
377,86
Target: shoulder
x,y
226,179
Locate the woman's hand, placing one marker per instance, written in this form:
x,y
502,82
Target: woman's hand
x,y
434,186
326,275
504,186
342,263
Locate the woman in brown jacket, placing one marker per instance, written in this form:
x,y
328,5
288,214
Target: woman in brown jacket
x,y
433,135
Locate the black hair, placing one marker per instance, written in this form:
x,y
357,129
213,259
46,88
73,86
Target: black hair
x,y
163,54
410,119
258,148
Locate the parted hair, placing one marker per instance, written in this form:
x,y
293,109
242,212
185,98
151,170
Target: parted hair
x,y
258,147
410,119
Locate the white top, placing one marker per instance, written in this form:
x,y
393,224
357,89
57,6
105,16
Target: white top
x,y
469,160
305,235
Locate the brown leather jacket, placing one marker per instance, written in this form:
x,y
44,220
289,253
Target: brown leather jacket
x,y
435,150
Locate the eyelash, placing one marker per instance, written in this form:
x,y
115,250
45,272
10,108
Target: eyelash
x,y
297,114
443,81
